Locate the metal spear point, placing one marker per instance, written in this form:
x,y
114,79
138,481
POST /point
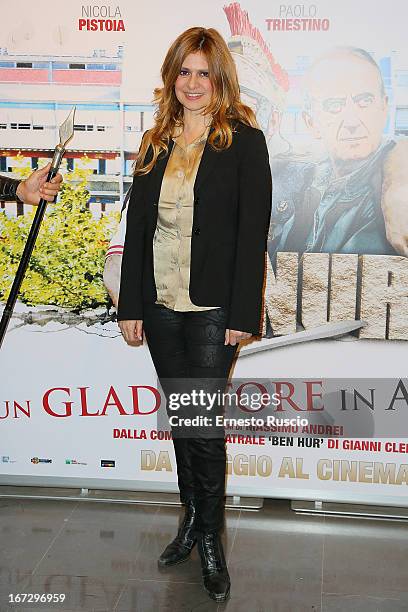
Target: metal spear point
x,y
66,132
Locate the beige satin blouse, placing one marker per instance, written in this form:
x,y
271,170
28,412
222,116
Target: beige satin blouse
x,y
172,238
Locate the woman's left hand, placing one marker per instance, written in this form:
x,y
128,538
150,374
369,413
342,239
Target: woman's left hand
x,y
233,337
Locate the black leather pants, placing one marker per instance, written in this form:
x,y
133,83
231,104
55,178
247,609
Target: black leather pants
x,y
191,345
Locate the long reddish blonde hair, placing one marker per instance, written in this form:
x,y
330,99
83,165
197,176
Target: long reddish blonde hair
x,y
225,105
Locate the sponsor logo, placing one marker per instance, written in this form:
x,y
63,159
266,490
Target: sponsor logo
x,y
107,463
6,459
37,460
74,462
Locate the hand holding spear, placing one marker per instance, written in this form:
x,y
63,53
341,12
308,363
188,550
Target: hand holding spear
x,y
24,191
35,187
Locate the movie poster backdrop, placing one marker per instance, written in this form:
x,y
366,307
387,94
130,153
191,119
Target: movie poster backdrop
x,y
329,84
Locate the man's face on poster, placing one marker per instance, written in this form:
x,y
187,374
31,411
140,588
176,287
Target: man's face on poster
x,y
348,107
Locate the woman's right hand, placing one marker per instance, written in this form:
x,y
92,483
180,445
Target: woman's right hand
x,y
132,331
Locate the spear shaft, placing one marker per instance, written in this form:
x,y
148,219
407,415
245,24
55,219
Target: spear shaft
x,y
66,132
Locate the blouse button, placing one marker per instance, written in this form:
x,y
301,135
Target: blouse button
x,y
180,174
282,206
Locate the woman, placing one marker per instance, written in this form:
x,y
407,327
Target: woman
x,y
194,258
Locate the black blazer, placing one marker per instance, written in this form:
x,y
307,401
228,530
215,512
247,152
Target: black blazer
x,y
232,205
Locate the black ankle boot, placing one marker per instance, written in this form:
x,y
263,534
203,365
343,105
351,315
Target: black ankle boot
x,y
215,574
180,548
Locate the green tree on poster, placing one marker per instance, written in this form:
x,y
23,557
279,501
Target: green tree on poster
x,y
67,262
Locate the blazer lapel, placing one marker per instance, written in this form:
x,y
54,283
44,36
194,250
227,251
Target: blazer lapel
x,y
207,163
208,159
156,176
